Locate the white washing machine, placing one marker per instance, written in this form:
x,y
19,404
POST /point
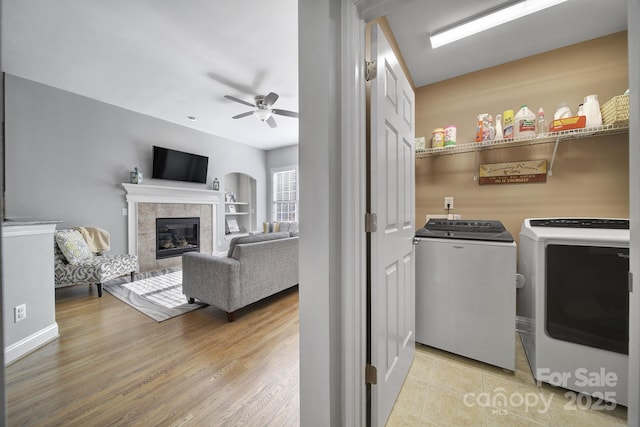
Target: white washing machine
x,y
573,311
466,289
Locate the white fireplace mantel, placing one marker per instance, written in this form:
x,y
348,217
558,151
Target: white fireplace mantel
x,y
137,193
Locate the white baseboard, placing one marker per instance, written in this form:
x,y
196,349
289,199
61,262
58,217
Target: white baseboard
x,y
30,343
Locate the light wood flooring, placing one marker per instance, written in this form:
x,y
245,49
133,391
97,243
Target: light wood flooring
x,y
445,389
112,365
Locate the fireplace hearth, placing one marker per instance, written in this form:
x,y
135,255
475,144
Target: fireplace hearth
x,y
175,236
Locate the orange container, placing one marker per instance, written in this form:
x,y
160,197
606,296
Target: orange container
x,y
575,122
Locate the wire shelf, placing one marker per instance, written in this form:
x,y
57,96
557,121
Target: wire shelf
x,y
544,138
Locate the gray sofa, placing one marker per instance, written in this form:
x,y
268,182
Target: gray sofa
x,y
256,267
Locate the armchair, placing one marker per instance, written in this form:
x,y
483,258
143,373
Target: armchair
x,y
78,264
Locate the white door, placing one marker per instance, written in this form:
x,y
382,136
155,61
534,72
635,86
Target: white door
x,y
392,199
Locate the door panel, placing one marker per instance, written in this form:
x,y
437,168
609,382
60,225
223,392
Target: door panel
x,y
392,198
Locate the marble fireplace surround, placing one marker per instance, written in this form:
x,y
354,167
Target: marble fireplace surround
x,y
148,202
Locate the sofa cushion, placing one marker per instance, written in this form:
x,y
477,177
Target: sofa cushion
x,y
254,239
73,246
288,226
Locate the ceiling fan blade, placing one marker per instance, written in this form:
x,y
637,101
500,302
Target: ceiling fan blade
x,y
239,116
233,98
271,122
285,113
270,99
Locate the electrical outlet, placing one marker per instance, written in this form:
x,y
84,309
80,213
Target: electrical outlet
x,y
125,212
448,202
19,312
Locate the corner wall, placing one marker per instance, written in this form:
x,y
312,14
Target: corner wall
x,y
67,155
590,176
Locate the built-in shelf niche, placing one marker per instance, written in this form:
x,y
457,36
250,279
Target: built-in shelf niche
x,y
241,209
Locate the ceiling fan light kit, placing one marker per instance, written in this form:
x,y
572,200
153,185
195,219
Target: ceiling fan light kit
x,y
262,113
489,19
262,108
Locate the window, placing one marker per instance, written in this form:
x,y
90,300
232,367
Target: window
x,y
285,194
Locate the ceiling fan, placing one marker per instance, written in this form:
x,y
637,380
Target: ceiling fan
x,y
262,108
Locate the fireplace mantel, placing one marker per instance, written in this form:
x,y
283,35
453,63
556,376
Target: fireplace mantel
x,y
137,193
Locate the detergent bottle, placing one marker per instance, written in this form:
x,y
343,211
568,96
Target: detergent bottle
x,y
525,122
507,125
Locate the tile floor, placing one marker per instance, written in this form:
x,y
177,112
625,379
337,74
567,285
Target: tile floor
x,y
444,389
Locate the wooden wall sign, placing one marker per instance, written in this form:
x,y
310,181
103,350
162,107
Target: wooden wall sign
x,y
524,172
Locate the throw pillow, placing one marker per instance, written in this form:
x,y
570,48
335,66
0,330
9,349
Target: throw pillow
x,y
272,227
73,246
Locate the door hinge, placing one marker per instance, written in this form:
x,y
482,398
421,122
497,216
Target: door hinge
x,y
370,70
630,282
370,374
370,223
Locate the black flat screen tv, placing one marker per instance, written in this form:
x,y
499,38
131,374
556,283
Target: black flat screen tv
x,y
179,166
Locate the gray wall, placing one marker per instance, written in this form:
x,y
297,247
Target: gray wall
x,y
3,400
67,155
281,157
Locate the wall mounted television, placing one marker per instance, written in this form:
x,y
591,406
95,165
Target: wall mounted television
x,y
179,166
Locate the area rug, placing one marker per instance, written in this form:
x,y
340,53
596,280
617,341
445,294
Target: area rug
x,y
157,294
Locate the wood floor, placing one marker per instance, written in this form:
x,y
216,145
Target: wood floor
x,y
112,365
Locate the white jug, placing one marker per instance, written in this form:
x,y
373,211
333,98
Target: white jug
x,y
591,108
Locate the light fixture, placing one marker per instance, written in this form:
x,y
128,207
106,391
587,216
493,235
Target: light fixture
x,y
489,19
262,113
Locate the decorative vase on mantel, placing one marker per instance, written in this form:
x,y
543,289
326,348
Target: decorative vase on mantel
x,y
136,176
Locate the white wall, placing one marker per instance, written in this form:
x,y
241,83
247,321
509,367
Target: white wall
x,y
319,42
633,414
66,156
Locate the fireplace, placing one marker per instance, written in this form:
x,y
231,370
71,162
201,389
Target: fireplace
x,y
175,236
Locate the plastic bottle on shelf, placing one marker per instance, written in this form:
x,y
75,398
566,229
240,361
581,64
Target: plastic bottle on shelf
x,y
591,109
541,123
480,127
450,136
485,128
499,134
492,129
525,122
437,138
507,126
562,111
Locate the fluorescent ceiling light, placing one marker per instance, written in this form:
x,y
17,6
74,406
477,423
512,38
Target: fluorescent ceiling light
x,y
490,19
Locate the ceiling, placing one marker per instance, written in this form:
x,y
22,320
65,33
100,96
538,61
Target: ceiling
x,y
562,25
174,59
